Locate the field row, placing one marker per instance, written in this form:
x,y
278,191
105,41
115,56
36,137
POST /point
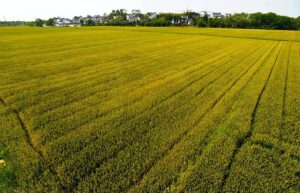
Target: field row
x,y
151,110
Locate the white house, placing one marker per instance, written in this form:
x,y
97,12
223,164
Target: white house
x,y
59,22
185,20
203,13
65,22
99,19
134,16
216,14
123,10
152,15
175,21
77,19
136,11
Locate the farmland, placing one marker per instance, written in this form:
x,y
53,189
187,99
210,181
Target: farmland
x,y
111,109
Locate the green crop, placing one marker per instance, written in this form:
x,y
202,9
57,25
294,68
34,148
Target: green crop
x,y
133,109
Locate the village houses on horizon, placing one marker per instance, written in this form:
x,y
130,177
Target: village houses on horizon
x,y
133,16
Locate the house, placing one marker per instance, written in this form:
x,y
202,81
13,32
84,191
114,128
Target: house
x,y
123,11
77,19
184,20
217,15
99,19
134,16
228,15
152,15
136,11
203,13
70,23
175,20
65,22
190,21
59,22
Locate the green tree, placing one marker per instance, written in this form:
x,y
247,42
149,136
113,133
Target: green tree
x,y
162,22
297,21
39,23
81,22
215,22
90,22
192,15
256,19
200,22
205,18
283,22
117,13
50,22
268,20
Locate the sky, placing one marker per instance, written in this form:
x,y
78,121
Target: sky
x,y
32,9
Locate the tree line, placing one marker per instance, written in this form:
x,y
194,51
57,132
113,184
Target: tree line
x,y
239,20
17,23
254,20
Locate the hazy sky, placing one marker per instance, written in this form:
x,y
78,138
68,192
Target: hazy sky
x,y
32,9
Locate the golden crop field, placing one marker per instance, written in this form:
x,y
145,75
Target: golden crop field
x,y
133,109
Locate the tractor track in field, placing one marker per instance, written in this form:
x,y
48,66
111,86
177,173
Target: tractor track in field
x,y
169,97
117,120
80,98
283,113
24,128
29,141
96,93
243,141
214,68
206,138
121,106
185,133
176,92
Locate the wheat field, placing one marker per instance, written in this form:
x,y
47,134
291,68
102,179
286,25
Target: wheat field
x,y
133,109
